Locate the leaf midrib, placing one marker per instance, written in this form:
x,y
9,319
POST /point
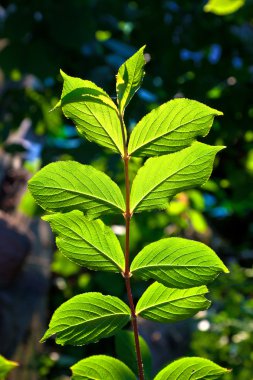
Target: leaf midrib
x,y
168,302
110,138
99,123
81,194
96,248
167,133
164,180
172,266
89,320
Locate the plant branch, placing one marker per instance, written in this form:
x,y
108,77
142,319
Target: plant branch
x,y
127,274
135,328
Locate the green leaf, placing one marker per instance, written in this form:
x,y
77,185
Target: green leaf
x,y
129,78
171,127
67,185
6,366
191,369
93,112
101,367
125,350
87,318
223,7
163,177
88,243
162,304
178,263
198,221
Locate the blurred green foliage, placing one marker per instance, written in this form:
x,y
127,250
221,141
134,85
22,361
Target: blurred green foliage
x,y
195,54
225,333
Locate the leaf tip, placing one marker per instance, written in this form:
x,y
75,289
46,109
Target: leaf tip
x,y
43,339
46,336
64,75
141,50
58,104
207,8
12,364
46,218
218,148
225,269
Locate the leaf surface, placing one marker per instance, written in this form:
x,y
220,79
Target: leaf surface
x,y
171,127
163,177
162,304
88,243
178,263
6,366
223,7
87,318
125,350
93,112
129,78
191,369
67,185
101,367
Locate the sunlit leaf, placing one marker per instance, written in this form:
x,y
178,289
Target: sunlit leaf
x,y
67,185
6,366
88,243
177,262
93,112
101,367
223,7
163,177
171,127
87,318
129,78
191,369
162,304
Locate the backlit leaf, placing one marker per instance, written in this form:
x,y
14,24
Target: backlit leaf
x,y
163,177
171,127
125,350
191,369
88,243
87,318
6,366
129,78
178,263
101,367
67,185
162,304
223,7
93,112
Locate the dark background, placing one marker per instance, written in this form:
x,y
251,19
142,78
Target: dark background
x,y
194,54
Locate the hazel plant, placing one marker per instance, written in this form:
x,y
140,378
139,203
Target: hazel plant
x,y
76,195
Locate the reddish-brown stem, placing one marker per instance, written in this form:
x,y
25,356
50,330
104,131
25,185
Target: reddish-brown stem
x,y
127,274
135,328
127,214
